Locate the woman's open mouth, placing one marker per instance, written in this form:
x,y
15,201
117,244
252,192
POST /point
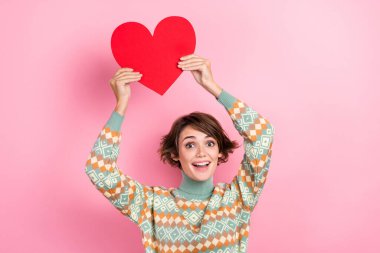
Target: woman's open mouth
x,y
203,166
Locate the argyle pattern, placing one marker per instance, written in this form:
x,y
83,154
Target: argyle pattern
x,y
172,224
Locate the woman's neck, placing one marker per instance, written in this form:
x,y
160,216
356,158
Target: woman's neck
x,y
191,188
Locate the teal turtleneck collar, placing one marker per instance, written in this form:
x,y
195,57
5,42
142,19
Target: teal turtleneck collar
x,y
192,189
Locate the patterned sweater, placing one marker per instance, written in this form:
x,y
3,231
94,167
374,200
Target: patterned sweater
x,y
170,222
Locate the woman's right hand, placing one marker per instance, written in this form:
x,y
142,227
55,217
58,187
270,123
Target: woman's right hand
x,y
120,83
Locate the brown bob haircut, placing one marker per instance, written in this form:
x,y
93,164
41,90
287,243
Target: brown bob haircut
x,y
202,122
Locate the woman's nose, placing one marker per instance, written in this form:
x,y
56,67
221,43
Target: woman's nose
x,y
200,152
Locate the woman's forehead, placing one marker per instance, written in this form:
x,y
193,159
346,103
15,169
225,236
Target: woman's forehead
x,y
191,133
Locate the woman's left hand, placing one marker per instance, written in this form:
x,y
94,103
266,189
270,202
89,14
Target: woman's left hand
x,y
199,67
201,70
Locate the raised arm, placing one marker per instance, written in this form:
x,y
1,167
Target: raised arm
x,y
130,197
258,135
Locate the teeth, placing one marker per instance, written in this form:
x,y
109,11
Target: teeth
x,y
201,164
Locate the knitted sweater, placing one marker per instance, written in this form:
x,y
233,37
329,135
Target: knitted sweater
x,y
197,216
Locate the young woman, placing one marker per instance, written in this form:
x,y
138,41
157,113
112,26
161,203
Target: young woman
x,y
198,216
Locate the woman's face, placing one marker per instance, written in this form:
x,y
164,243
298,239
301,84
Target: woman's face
x,y
194,148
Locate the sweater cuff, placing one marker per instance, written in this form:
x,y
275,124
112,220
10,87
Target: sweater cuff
x,y
226,99
115,121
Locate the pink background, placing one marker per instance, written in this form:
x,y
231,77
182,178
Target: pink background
x,y
310,67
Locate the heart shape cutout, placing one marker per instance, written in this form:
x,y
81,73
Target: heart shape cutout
x,y
157,56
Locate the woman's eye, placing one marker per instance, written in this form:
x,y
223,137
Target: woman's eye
x,y
210,144
213,143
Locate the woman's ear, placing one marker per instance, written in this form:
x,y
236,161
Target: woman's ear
x,y
174,157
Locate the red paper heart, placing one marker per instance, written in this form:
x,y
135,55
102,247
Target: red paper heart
x,y
157,56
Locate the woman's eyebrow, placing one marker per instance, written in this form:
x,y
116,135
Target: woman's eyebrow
x,y
193,137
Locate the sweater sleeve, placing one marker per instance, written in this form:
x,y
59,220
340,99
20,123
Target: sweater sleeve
x,y
130,197
258,135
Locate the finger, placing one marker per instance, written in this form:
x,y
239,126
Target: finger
x,y
189,61
128,77
133,80
127,80
192,67
133,74
123,70
128,74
